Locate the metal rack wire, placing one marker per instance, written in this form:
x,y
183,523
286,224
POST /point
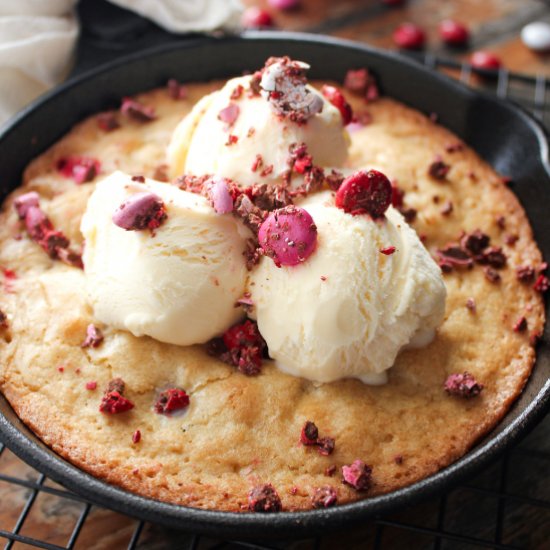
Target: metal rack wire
x,y
506,507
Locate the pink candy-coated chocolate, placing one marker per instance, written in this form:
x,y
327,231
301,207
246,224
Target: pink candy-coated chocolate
x,y
24,202
288,235
141,211
221,198
229,114
284,4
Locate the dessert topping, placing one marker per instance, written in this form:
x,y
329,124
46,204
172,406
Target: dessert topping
x,y
80,169
438,170
475,243
136,436
324,497
447,209
176,90
107,121
141,211
388,250
365,193
462,385
330,470
336,97
220,195
264,498
284,82
288,236
409,36
362,82
520,325
229,114
94,337
325,445
3,320
471,305
256,18
26,201
542,283
237,92
525,273
494,257
113,401
136,110
170,400
358,475
309,433
491,275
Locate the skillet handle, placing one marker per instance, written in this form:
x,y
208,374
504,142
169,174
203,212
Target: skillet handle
x,y
108,32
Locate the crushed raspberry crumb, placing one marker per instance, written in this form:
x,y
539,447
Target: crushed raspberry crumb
x,y
447,209
454,256
501,222
491,275
336,97
525,273
139,179
94,337
511,240
23,202
139,212
493,256
324,497
176,90
231,140
136,436
256,18
170,400
3,320
323,277
114,403
258,163
542,283
462,385
237,92
330,470
365,193
309,433
80,169
520,325
92,385
471,305
229,114
388,250
325,445
358,475
264,498
107,121
398,459
136,110
438,170
454,147
475,243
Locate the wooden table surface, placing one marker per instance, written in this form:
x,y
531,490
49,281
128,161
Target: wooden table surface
x,y
474,510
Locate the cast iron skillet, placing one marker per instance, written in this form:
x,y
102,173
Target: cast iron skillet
x,y
502,134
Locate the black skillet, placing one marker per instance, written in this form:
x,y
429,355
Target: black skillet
x,y
510,140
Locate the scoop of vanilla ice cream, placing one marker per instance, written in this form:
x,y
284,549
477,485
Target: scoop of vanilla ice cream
x,y
178,284
199,144
348,310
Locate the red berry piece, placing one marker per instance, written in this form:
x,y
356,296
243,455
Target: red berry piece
x,y
107,121
388,250
365,193
24,202
92,385
243,334
264,498
170,400
256,18
358,475
288,235
241,346
137,111
114,403
336,97
141,211
485,60
409,36
284,4
453,33
324,497
176,90
136,436
229,114
462,385
80,169
309,434
94,337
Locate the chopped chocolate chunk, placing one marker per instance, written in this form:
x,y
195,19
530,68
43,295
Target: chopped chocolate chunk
x,y
176,90
438,170
462,385
325,445
491,275
136,436
107,121
137,111
324,497
336,97
447,209
520,325
269,197
455,255
358,475
334,179
170,400
141,211
330,470
94,337
264,498
251,215
475,243
309,433
193,184
494,257
365,193
229,114
388,250
471,305
542,283
23,202
114,403
525,273
80,169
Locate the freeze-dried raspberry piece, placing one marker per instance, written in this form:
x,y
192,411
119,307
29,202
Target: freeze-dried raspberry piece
x,y
358,475
525,273
136,110
325,445
80,169
336,97
170,400
309,433
176,90
462,385
139,212
475,243
94,337
23,202
114,403
3,320
324,497
438,170
107,121
542,283
264,498
454,255
520,325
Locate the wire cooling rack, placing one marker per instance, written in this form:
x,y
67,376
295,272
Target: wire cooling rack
x,y
507,506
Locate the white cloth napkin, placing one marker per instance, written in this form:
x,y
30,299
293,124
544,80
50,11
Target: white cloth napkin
x,y
38,38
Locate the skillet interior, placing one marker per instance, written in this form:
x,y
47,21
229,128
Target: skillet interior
x,y
512,142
